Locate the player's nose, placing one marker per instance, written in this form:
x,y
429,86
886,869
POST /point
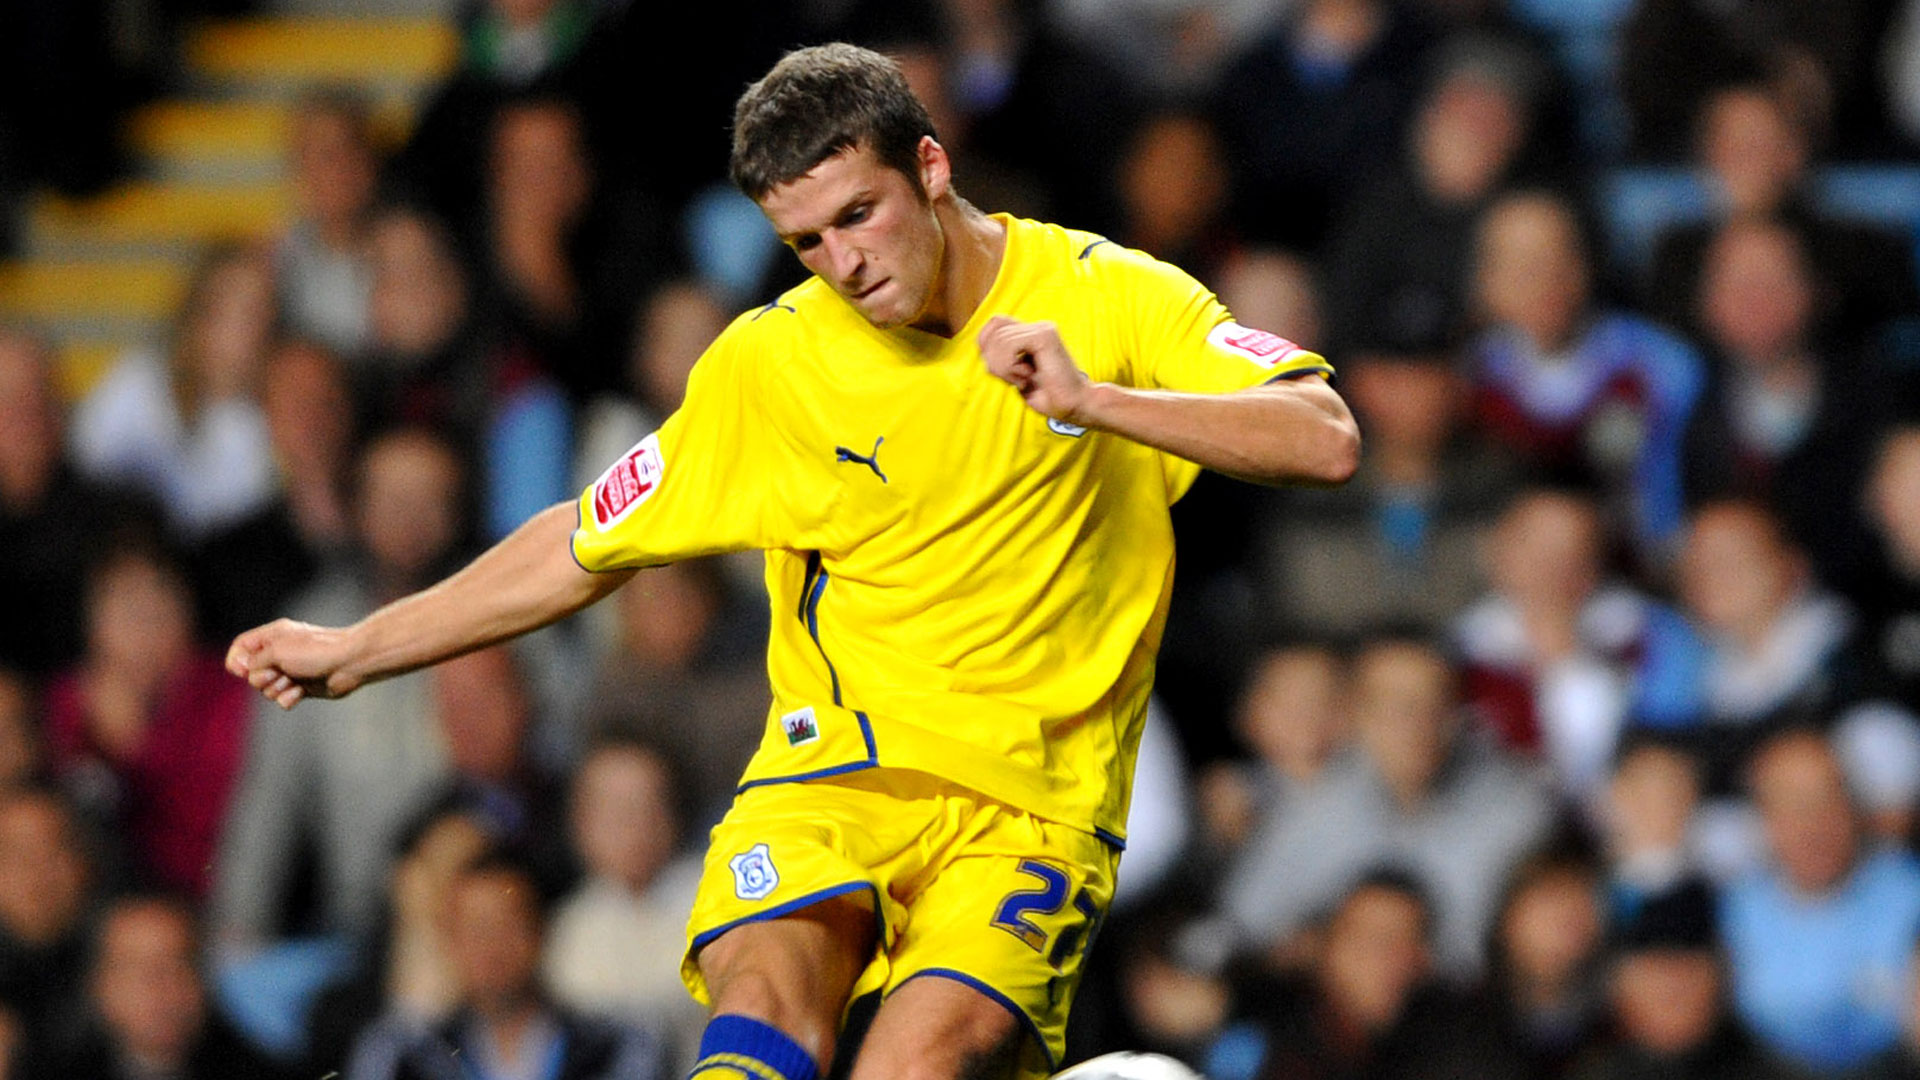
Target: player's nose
x,y
845,259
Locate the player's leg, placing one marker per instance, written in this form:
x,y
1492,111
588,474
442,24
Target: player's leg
x,y
985,965
779,988
935,1028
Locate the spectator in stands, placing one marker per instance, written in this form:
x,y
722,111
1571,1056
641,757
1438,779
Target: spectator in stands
x,y
1399,544
1173,193
46,888
1419,793
147,1008
425,362
678,678
1293,717
540,186
511,47
1544,960
324,274
503,1025
1816,57
1034,103
1787,418
53,523
482,706
1577,391
1648,831
1373,1003
554,268
1818,943
1767,647
247,573
1307,109
1879,747
1889,642
1176,49
1902,1062
1397,261
1666,993
1755,154
185,427
616,941
341,779
148,731
1551,654
407,976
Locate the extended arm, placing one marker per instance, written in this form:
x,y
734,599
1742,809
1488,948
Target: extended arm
x,y
524,582
1297,431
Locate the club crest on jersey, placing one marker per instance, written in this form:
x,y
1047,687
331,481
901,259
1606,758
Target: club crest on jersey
x,y
1061,427
628,482
753,874
1267,350
801,727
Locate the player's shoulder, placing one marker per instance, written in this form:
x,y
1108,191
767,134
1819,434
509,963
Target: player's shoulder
x,y
1098,260
776,329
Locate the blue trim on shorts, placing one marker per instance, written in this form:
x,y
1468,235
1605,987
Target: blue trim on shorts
x,y
1118,843
703,939
1005,1002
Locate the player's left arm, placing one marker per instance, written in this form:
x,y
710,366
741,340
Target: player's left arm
x,y
1293,431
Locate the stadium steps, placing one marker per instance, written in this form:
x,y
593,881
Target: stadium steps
x,y
212,142
157,218
91,306
285,56
103,274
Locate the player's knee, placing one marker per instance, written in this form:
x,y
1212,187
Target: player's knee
x,y
935,1030
757,992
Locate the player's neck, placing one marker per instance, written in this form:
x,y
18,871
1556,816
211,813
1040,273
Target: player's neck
x,y
974,246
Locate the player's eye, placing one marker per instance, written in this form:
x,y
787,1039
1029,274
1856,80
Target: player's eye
x,y
805,243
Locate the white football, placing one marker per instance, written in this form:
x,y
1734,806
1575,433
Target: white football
x,y
1128,1065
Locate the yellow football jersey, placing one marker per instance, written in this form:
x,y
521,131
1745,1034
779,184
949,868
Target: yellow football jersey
x,y
960,585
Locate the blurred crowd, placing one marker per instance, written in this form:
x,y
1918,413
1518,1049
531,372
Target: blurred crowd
x,y
1577,739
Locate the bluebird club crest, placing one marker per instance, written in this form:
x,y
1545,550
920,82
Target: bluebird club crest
x,y
753,874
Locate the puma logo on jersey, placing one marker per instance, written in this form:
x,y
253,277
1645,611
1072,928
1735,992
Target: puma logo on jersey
x,y
871,461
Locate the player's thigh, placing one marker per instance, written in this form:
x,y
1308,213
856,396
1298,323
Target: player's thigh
x,y
940,1029
1006,922
796,971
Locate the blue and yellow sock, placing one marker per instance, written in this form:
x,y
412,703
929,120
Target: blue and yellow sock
x,y
737,1046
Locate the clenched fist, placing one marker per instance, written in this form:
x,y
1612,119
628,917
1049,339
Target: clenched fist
x,y
1031,357
287,661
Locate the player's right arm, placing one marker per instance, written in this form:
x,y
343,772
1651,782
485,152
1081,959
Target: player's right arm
x,y
526,581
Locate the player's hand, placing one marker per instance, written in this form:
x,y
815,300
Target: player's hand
x,y
287,661
1031,357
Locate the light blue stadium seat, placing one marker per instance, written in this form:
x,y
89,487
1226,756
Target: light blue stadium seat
x,y
1884,194
1638,203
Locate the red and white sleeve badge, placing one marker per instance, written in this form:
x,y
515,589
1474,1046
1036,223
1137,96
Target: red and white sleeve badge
x,y
1267,350
628,482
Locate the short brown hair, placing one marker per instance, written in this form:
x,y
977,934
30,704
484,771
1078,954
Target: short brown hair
x,y
818,102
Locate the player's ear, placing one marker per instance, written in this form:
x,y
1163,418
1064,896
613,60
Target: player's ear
x,y
936,168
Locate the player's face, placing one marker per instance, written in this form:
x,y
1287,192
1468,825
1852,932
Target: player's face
x,y
865,230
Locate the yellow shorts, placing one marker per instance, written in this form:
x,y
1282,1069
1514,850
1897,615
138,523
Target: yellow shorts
x,y
965,888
